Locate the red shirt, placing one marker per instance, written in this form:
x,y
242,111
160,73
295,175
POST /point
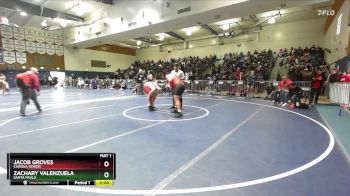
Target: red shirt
x,y
317,82
284,85
347,78
31,79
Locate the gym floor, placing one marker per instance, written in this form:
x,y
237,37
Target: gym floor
x,y
222,146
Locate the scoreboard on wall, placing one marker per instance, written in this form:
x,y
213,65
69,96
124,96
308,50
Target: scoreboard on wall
x,y
61,168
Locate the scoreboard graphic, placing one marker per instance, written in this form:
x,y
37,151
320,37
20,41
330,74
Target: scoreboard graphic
x,y
61,169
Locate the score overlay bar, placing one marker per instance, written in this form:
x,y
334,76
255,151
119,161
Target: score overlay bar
x,y
61,168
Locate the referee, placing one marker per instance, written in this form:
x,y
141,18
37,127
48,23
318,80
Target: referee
x,y
179,73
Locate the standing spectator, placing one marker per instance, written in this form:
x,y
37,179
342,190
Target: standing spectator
x,y
28,83
316,85
345,77
333,77
139,80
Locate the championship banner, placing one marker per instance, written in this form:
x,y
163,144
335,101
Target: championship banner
x,y
18,33
30,47
40,37
9,57
6,31
8,44
40,48
30,35
21,57
59,50
50,49
1,56
20,46
49,38
58,40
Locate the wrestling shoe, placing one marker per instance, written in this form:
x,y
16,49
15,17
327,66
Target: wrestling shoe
x,y
152,109
178,115
174,111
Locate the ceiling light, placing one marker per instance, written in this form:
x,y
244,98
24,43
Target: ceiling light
x,y
36,1
24,67
229,21
79,12
4,20
63,23
161,37
138,42
225,26
22,13
43,23
82,8
58,68
41,67
190,30
271,20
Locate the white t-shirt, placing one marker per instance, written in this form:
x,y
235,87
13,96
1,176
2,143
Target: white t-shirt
x,y
179,73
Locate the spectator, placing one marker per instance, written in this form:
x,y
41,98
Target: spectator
x,y
283,90
295,93
139,82
345,77
4,87
333,77
316,85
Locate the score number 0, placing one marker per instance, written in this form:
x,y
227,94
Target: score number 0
x,y
106,164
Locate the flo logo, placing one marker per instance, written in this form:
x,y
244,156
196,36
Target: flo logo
x,y
325,12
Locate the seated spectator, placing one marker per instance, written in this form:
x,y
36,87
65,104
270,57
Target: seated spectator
x,y
295,94
270,92
283,91
295,74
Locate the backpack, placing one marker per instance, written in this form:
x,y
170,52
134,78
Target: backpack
x,y
23,80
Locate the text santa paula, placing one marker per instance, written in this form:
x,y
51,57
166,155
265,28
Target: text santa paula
x,y
32,174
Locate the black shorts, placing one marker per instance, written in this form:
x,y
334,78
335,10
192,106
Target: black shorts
x,y
179,89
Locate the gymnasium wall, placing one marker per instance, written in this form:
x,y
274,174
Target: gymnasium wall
x,y
300,33
338,43
80,60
